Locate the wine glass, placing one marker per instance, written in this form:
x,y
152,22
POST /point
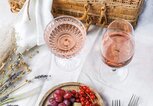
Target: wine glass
x,y
117,50
65,36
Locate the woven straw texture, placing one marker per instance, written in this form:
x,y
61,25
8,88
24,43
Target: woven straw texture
x,y
99,12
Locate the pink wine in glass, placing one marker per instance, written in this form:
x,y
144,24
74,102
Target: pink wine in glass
x,y
65,36
118,49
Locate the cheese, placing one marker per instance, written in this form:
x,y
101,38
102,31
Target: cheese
x,y
77,104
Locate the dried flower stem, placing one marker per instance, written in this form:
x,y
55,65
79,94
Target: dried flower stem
x,y
2,66
13,90
12,72
10,81
21,96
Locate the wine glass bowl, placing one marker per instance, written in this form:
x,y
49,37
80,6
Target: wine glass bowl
x,y
117,50
121,25
65,36
118,44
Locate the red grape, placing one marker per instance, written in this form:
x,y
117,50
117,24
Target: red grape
x,y
92,97
87,98
55,95
68,95
82,99
81,88
67,102
72,100
81,93
77,100
88,103
88,91
73,92
58,98
53,102
83,103
84,87
77,95
60,92
62,104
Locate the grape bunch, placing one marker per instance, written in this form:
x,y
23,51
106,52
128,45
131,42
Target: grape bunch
x,y
64,98
84,96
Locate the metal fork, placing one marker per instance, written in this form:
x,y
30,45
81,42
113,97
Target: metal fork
x,y
134,101
116,103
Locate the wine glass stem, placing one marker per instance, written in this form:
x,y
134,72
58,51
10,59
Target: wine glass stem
x,y
114,69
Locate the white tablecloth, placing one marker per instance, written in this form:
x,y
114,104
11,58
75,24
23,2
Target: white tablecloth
x,y
140,76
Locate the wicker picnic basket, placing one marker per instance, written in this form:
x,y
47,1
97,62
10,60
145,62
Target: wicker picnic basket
x,y
99,12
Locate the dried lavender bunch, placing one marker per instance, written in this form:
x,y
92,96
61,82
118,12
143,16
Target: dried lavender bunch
x,y
39,77
4,98
12,73
11,80
12,77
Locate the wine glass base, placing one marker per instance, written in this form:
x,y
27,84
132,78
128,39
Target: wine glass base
x,y
68,64
111,77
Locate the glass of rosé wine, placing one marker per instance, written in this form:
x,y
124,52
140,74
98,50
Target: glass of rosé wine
x,y
65,36
117,50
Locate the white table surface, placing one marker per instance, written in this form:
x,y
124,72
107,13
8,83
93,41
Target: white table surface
x,y
140,76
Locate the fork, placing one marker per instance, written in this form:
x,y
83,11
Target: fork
x,y
116,103
134,100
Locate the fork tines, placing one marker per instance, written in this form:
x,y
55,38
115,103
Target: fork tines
x,y
116,103
134,101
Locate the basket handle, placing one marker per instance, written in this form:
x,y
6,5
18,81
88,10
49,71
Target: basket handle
x,y
86,17
86,7
103,17
88,22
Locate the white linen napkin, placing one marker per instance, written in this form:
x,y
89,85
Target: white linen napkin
x,y
30,32
31,22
